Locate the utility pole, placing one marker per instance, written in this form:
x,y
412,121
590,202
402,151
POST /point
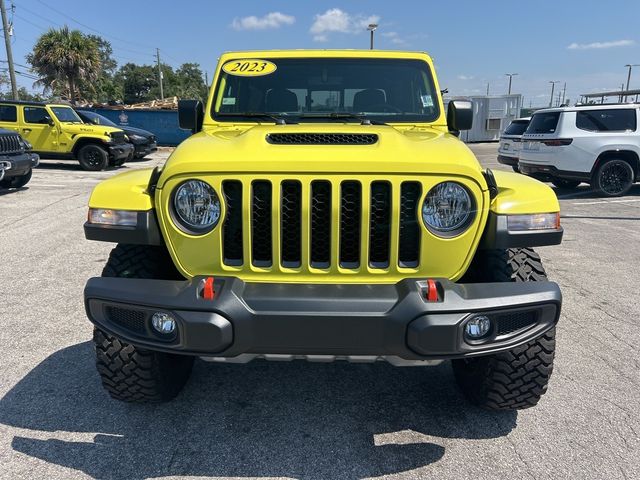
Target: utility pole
x,y
553,86
510,75
487,89
372,28
159,74
630,66
7,42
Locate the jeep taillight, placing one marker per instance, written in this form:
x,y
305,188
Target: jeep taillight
x,y
559,142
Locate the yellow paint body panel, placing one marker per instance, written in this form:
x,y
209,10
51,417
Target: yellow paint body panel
x,y
422,152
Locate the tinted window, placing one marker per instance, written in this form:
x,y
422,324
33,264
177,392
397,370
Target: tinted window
x,y
8,113
91,117
543,122
389,89
516,128
66,114
614,120
35,115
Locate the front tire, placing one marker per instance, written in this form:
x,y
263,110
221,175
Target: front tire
x,y
613,178
515,379
130,373
93,158
16,182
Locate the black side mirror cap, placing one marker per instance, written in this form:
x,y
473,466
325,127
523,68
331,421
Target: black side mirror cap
x,y
190,115
460,115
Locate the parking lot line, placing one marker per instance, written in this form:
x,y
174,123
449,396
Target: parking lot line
x,y
607,201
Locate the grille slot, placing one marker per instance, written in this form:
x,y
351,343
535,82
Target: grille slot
x,y
380,225
133,320
512,322
232,234
350,218
291,223
409,241
320,224
10,144
261,241
322,138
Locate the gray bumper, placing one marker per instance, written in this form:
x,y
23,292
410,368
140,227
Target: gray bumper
x,y
122,150
20,164
340,320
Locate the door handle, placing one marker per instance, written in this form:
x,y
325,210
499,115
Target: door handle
x,y
26,130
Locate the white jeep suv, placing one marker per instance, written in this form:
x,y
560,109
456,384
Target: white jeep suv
x,y
596,144
510,142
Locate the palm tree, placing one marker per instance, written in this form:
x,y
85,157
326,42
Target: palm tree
x,y
64,59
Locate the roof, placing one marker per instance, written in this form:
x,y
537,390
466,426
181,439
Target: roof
x,y
35,104
593,106
315,53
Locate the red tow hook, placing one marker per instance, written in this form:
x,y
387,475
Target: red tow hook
x,y
207,290
432,291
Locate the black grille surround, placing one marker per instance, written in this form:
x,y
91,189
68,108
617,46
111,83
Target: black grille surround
x,y
511,322
380,224
232,228
10,144
261,224
320,224
133,320
291,223
322,138
409,241
350,218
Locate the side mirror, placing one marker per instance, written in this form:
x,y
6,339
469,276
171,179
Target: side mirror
x,y
48,120
460,115
190,115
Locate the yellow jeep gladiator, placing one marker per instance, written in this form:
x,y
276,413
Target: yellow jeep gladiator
x,y
325,209
56,131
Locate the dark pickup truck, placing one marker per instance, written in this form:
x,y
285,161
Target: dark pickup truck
x,y
16,160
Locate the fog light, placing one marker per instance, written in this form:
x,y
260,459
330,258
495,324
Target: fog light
x,y
478,327
163,323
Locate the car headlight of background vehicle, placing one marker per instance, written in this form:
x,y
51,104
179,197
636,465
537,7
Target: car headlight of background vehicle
x,y
136,138
448,209
196,207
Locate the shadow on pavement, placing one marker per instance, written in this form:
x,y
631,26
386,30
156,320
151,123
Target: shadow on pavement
x,y
310,421
7,191
584,191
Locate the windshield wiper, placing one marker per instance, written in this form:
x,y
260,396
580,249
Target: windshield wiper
x,y
340,115
279,120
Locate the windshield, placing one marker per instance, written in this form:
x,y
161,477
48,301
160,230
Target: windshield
x,y
96,119
66,114
313,88
517,127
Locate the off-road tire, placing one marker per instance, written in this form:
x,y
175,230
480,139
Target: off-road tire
x,y
130,373
93,157
565,184
515,379
16,182
613,178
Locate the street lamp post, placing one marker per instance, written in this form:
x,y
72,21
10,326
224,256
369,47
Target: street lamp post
x,y
553,86
630,66
510,75
372,28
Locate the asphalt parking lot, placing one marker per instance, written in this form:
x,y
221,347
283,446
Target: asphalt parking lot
x,y
310,421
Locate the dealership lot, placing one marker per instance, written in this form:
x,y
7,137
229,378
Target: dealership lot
x,y
310,421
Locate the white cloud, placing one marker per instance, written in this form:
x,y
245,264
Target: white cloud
x,y
336,20
394,38
598,45
270,20
465,77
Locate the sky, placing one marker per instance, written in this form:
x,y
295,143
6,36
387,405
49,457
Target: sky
x,y
585,43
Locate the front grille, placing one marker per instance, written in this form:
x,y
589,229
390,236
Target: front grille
x,y
133,320
10,144
512,322
322,138
117,137
327,224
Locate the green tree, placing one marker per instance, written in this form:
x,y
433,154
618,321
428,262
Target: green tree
x,y
105,88
65,60
137,82
191,82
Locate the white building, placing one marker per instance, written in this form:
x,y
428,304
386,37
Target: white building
x,y
491,115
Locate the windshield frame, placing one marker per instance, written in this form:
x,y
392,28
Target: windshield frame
x,y
54,110
343,116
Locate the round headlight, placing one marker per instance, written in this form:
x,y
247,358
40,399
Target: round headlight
x,y
197,206
448,209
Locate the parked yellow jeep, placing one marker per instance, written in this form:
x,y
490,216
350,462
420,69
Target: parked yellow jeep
x,y
325,209
56,131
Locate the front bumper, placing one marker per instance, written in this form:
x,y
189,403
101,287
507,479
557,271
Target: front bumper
x,y
506,160
549,172
142,149
339,320
20,164
119,151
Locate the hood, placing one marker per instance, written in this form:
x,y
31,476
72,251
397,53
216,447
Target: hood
x,y
89,129
241,149
136,131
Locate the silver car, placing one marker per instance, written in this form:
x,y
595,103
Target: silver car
x,y
510,141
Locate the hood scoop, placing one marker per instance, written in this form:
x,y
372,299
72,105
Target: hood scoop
x,y
322,138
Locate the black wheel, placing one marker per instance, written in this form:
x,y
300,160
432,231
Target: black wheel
x,y
16,182
93,157
515,379
130,373
565,184
613,178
